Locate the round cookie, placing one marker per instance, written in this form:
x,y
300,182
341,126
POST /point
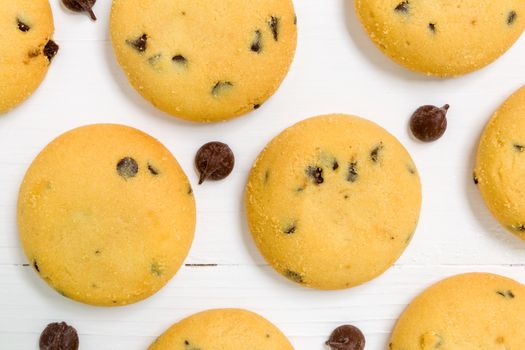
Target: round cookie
x,y
226,329
106,215
468,312
333,201
201,60
443,37
501,164
26,28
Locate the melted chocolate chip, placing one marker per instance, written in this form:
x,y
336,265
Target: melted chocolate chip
x,y
376,153
81,6
346,338
403,7
127,167
140,44
507,294
316,174
511,18
519,228
220,86
352,172
50,50
59,336
257,42
519,148
429,123
22,26
179,59
290,229
153,171
335,165
214,161
273,23
294,276
432,27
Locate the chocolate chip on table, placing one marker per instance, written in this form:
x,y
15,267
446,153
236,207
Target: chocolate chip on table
x,y
403,7
59,336
127,167
273,23
511,18
257,44
346,338
22,26
316,173
140,44
50,50
429,123
81,6
214,161
220,86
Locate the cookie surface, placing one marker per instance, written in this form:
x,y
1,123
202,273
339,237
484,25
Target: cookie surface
x,y
202,60
468,312
26,27
106,215
501,164
443,37
333,201
226,329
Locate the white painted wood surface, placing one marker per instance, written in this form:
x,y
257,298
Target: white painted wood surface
x,y
337,69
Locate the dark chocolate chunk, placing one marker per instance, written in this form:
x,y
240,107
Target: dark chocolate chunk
x,y
519,148
507,294
346,338
294,276
214,161
179,59
376,153
221,86
50,50
352,172
256,106
432,27
81,6
335,165
316,173
403,7
429,123
511,18
35,265
22,26
274,23
140,44
257,42
154,171
59,336
127,167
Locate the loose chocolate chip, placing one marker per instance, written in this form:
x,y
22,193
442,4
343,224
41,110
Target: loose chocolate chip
x,y
335,165
511,18
352,172
214,161
475,178
376,153
316,174
403,7
127,167
507,294
294,276
519,148
432,27
273,23
154,171
290,229
22,26
346,338
59,336
50,50
220,86
257,42
429,123
140,44
35,265
256,106
179,59
81,6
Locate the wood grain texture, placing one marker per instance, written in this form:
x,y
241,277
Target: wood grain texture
x,y
337,69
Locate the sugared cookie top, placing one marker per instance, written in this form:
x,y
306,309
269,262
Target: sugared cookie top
x,y
203,60
501,164
333,201
26,29
106,215
443,37
227,329
468,312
